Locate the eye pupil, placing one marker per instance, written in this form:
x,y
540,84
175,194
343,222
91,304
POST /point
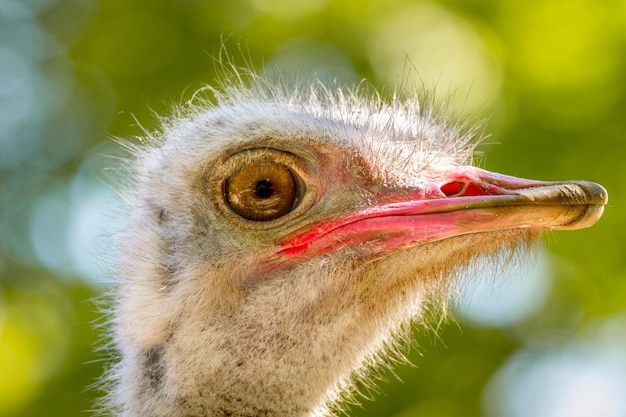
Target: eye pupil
x,y
264,188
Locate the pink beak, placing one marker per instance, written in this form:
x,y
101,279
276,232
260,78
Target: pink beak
x,y
468,200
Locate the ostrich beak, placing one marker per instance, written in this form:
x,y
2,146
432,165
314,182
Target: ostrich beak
x,y
467,200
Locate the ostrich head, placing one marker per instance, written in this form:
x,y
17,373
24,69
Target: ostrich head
x,y
279,240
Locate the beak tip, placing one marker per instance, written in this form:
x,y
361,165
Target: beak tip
x,y
594,197
597,194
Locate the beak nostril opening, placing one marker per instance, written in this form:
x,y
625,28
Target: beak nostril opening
x,y
465,189
454,188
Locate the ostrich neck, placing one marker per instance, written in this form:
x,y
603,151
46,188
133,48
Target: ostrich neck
x,y
284,349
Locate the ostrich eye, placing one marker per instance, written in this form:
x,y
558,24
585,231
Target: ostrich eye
x,y
262,192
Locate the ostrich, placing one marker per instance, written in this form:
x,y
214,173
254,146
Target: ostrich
x,y
280,242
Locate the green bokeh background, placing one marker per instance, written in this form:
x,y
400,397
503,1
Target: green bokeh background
x,y
74,73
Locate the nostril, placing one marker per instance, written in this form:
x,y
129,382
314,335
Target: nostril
x,y
454,188
464,189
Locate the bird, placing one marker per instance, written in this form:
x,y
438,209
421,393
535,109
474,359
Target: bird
x,y
281,238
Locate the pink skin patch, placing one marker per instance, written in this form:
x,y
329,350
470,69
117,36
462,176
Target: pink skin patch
x,y
468,200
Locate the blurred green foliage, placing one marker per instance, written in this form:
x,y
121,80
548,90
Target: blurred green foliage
x,y
75,72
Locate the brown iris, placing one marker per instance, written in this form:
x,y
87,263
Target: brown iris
x,y
262,191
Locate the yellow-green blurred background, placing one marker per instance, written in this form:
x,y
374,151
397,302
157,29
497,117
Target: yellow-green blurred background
x,y
552,73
